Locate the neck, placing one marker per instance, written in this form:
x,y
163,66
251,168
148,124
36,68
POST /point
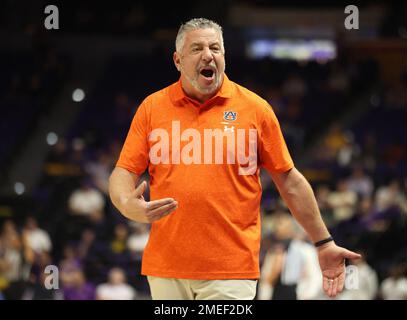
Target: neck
x,y
191,92
198,96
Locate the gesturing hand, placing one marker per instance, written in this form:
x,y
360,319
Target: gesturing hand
x,y
137,209
332,262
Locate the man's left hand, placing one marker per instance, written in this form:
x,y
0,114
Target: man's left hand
x,y
332,262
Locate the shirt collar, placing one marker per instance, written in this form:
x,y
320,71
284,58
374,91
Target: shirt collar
x,y
177,94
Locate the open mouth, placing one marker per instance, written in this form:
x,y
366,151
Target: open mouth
x,y
207,73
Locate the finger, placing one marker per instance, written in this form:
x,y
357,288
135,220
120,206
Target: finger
x,y
162,209
325,284
335,287
352,255
162,213
341,282
330,287
159,203
140,189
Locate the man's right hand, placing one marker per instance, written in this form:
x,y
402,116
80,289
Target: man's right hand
x,y
136,208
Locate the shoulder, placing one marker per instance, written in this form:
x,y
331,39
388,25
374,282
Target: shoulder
x,y
149,105
252,99
159,96
242,92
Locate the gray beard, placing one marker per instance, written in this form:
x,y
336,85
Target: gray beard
x,y
214,87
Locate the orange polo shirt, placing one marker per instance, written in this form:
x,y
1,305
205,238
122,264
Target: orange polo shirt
x,y
215,232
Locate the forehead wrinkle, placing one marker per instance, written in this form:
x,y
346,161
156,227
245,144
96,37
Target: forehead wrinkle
x,y
202,43
206,36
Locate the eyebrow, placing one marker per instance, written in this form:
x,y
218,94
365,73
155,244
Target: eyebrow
x,y
197,44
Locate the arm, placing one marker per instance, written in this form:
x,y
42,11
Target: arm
x,y
300,199
130,201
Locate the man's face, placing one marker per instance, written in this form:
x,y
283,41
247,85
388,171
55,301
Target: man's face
x,y
201,63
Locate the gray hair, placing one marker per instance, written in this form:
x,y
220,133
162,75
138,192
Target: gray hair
x,y
194,24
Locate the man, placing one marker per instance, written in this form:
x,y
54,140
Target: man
x,y
205,236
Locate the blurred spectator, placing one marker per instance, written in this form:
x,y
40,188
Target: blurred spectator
x,y
80,288
99,224
348,152
95,255
99,171
360,183
380,220
119,253
86,241
69,265
38,239
334,140
352,230
11,259
310,283
118,244
388,196
284,264
369,151
395,286
343,201
16,259
363,216
86,200
138,239
116,288
136,243
322,193
367,283
41,261
38,291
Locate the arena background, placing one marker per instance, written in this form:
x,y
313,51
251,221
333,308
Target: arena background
x,y
67,97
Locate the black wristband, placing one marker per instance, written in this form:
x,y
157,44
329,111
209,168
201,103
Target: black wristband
x,y
321,242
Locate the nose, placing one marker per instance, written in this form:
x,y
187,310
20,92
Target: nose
x,y
207,55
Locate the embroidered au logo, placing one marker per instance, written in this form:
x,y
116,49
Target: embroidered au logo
x,y
229,115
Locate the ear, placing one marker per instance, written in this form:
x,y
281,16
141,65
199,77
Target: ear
x,y
177,61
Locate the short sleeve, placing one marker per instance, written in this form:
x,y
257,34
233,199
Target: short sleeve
x,y
273,151
134,154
